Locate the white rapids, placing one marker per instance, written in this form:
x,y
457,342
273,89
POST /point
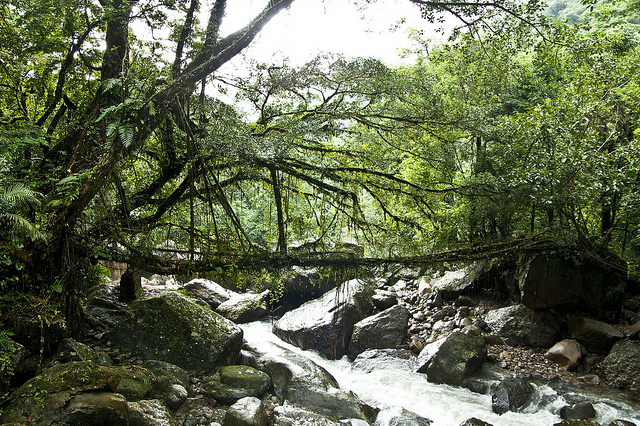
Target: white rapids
x,y
393,388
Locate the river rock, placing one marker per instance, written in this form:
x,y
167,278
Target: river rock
x,y
402,417
150,413
71,350
579,411
101,312
245,307
248,411
579,284
235,382
474,422
326,324
524,326
384,330
291,415
378,359
134,382
619,422
597,336
566,353
206,292
621,368
174,329
300,381
452,359
453,283
384,299
46,396
511,394
167,373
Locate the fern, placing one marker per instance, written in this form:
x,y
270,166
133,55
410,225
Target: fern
x,y
126,135
14,200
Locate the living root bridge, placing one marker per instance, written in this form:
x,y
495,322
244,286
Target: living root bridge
x,y
275,261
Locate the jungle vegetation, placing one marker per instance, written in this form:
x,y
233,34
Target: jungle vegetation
x,y
522,127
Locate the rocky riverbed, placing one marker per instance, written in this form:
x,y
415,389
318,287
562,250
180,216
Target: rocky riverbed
x,y
206,377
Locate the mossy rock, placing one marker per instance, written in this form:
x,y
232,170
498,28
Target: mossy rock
x,y
43,396
174,329
71,350
135,383
235,382
167,372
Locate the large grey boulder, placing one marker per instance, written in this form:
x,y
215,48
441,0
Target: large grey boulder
x,y
452,359
245,307
597,336
453,283
621,368
174,329
385,330
579,284
512,394
524,326
300,381
207,292
326,324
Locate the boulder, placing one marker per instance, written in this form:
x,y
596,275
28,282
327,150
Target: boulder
x,y
174,329
206,292
566,353
384,299
167,373
245,307
101,312
621,368
453,283
576,284
291,415
452,359
134,382
326,324
247,411
303,284
384,330
47,396
401,417
579,411
474,422
95,408
524,326
150,413
597,336
235,382
511,394
71,350
304,383
377,359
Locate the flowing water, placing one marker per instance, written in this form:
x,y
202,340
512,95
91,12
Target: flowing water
x,y
396,386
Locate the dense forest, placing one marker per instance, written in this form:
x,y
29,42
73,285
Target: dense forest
x,y
522,127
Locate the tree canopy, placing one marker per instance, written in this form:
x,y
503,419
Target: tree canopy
x,y
114,147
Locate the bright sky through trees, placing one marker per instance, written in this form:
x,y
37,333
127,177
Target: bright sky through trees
x,y
351,28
